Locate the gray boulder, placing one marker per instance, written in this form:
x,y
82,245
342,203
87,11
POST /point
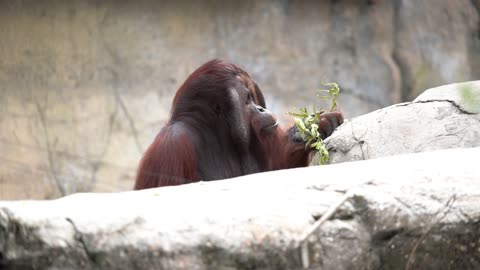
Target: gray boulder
x,y
417,211
441,118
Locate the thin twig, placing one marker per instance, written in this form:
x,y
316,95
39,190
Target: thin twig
x,y
330,212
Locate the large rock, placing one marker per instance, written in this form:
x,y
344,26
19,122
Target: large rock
x,y
441,118
417,211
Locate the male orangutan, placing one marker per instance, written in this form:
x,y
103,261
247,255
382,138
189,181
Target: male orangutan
x,y
220,128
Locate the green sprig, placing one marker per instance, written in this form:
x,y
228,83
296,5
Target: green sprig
x,y
332,94
307,123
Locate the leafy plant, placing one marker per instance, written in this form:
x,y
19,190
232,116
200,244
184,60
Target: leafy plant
x,y
332,94
307,123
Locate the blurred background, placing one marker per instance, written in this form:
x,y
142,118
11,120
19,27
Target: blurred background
x,y
86,85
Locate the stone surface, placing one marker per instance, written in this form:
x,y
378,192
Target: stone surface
x,y
441,118
417,211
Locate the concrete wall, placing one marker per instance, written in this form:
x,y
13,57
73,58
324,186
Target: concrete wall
x,y
86,85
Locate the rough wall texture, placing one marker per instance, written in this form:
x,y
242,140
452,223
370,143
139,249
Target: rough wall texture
x,y
86,85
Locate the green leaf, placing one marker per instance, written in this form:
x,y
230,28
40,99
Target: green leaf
x,y
307,124
313,132
299,123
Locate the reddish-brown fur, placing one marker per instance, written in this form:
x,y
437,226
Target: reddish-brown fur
x,y
219,128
